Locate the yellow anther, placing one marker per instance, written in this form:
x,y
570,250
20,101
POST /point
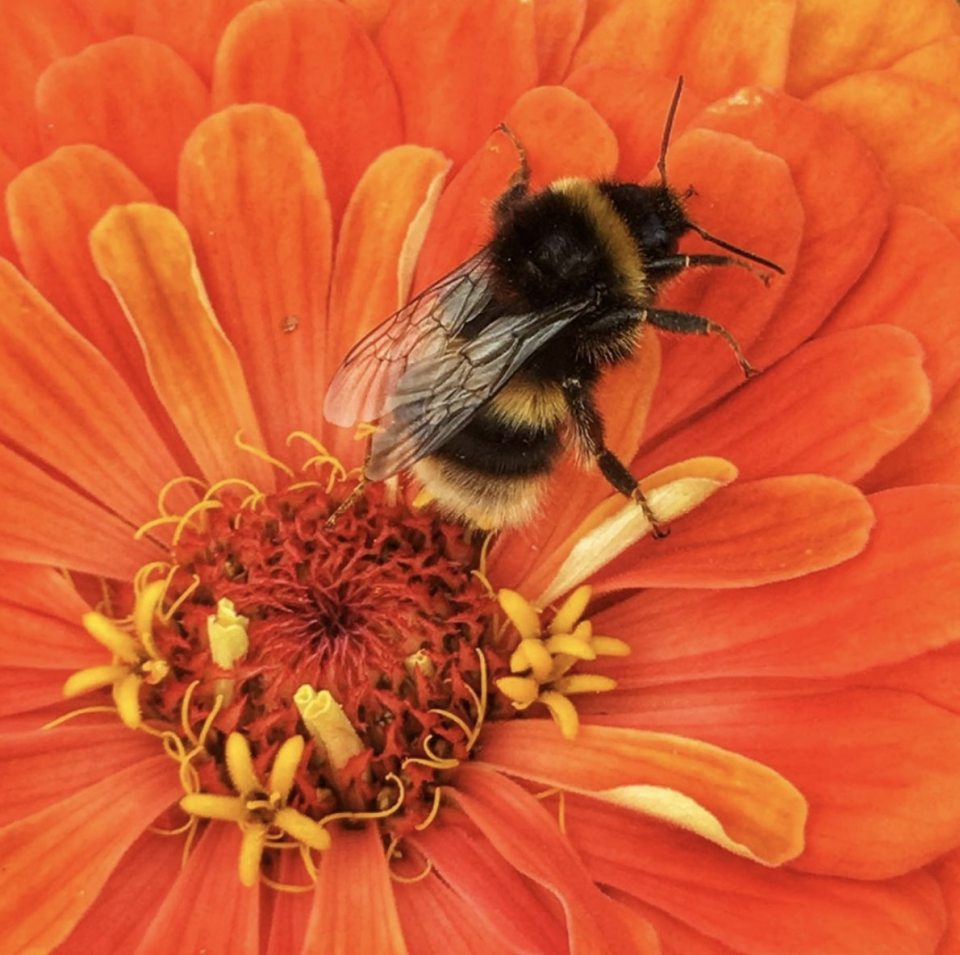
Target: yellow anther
x,y
227,633
285,765
571,610
538,658
570,645
522,614
251,852
302,828
214,806
583,631
148,599
328,725
522,690
584,683
93,678
126,698
610,647
240,764
420,661
109,635
563,712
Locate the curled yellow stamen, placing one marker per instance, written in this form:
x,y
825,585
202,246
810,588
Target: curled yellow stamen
x,y
261,454
378,814
188,516
434,809
170,485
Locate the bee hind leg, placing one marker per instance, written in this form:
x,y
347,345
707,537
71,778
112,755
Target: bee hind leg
x,y
589,428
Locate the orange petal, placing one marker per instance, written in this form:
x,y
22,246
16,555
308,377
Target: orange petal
x,y
435,919
192,28
354,878
144,253
743,805
937,63
845,203
914,130
38,693
749,534
901,288
253,199
830,42
8,171
872,816
110,16
930,454
526,835
421,40
130,898
207,885
51,218
836,622
32,36
86,99
776,910
558,26
947,872
737,186
371,13
57,860
501,897
53,643
384,224
313,60
835,406
635,104
63,402
289,911
674,40
53,524
563,136
83,755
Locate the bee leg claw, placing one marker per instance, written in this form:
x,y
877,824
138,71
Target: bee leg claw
x,y
658,530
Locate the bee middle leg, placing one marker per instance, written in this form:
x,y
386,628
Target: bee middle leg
x,y
589,427
685,323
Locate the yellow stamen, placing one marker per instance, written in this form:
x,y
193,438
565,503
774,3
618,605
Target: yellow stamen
x,y
537,658
380,814
571,610
571,645
260,453
434,809
610,647
93,678
328,725
214,806
240,764
520,689
302,828
227,633
170,485
126,697
251,852
285,765
109,635
420,661
563,712
521,613
584,683
215,489
422,499
185,520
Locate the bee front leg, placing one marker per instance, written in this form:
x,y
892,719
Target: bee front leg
x,y
589,428
684,323
519,184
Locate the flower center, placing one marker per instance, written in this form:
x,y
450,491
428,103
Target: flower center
x,y
307,658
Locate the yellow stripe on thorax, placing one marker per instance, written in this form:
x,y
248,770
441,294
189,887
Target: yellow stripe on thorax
x,y
611,231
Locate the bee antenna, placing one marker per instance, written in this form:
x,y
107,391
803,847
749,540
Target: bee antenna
x,y
735,249
667,128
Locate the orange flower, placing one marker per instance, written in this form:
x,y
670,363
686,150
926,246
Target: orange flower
x,y
206,205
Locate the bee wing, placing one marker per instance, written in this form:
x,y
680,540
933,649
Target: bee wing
x,y
422,328
438,395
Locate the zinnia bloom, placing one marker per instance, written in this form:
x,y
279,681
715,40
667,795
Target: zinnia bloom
x,y
284,733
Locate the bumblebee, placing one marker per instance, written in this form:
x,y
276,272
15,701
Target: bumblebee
x,y
483,380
